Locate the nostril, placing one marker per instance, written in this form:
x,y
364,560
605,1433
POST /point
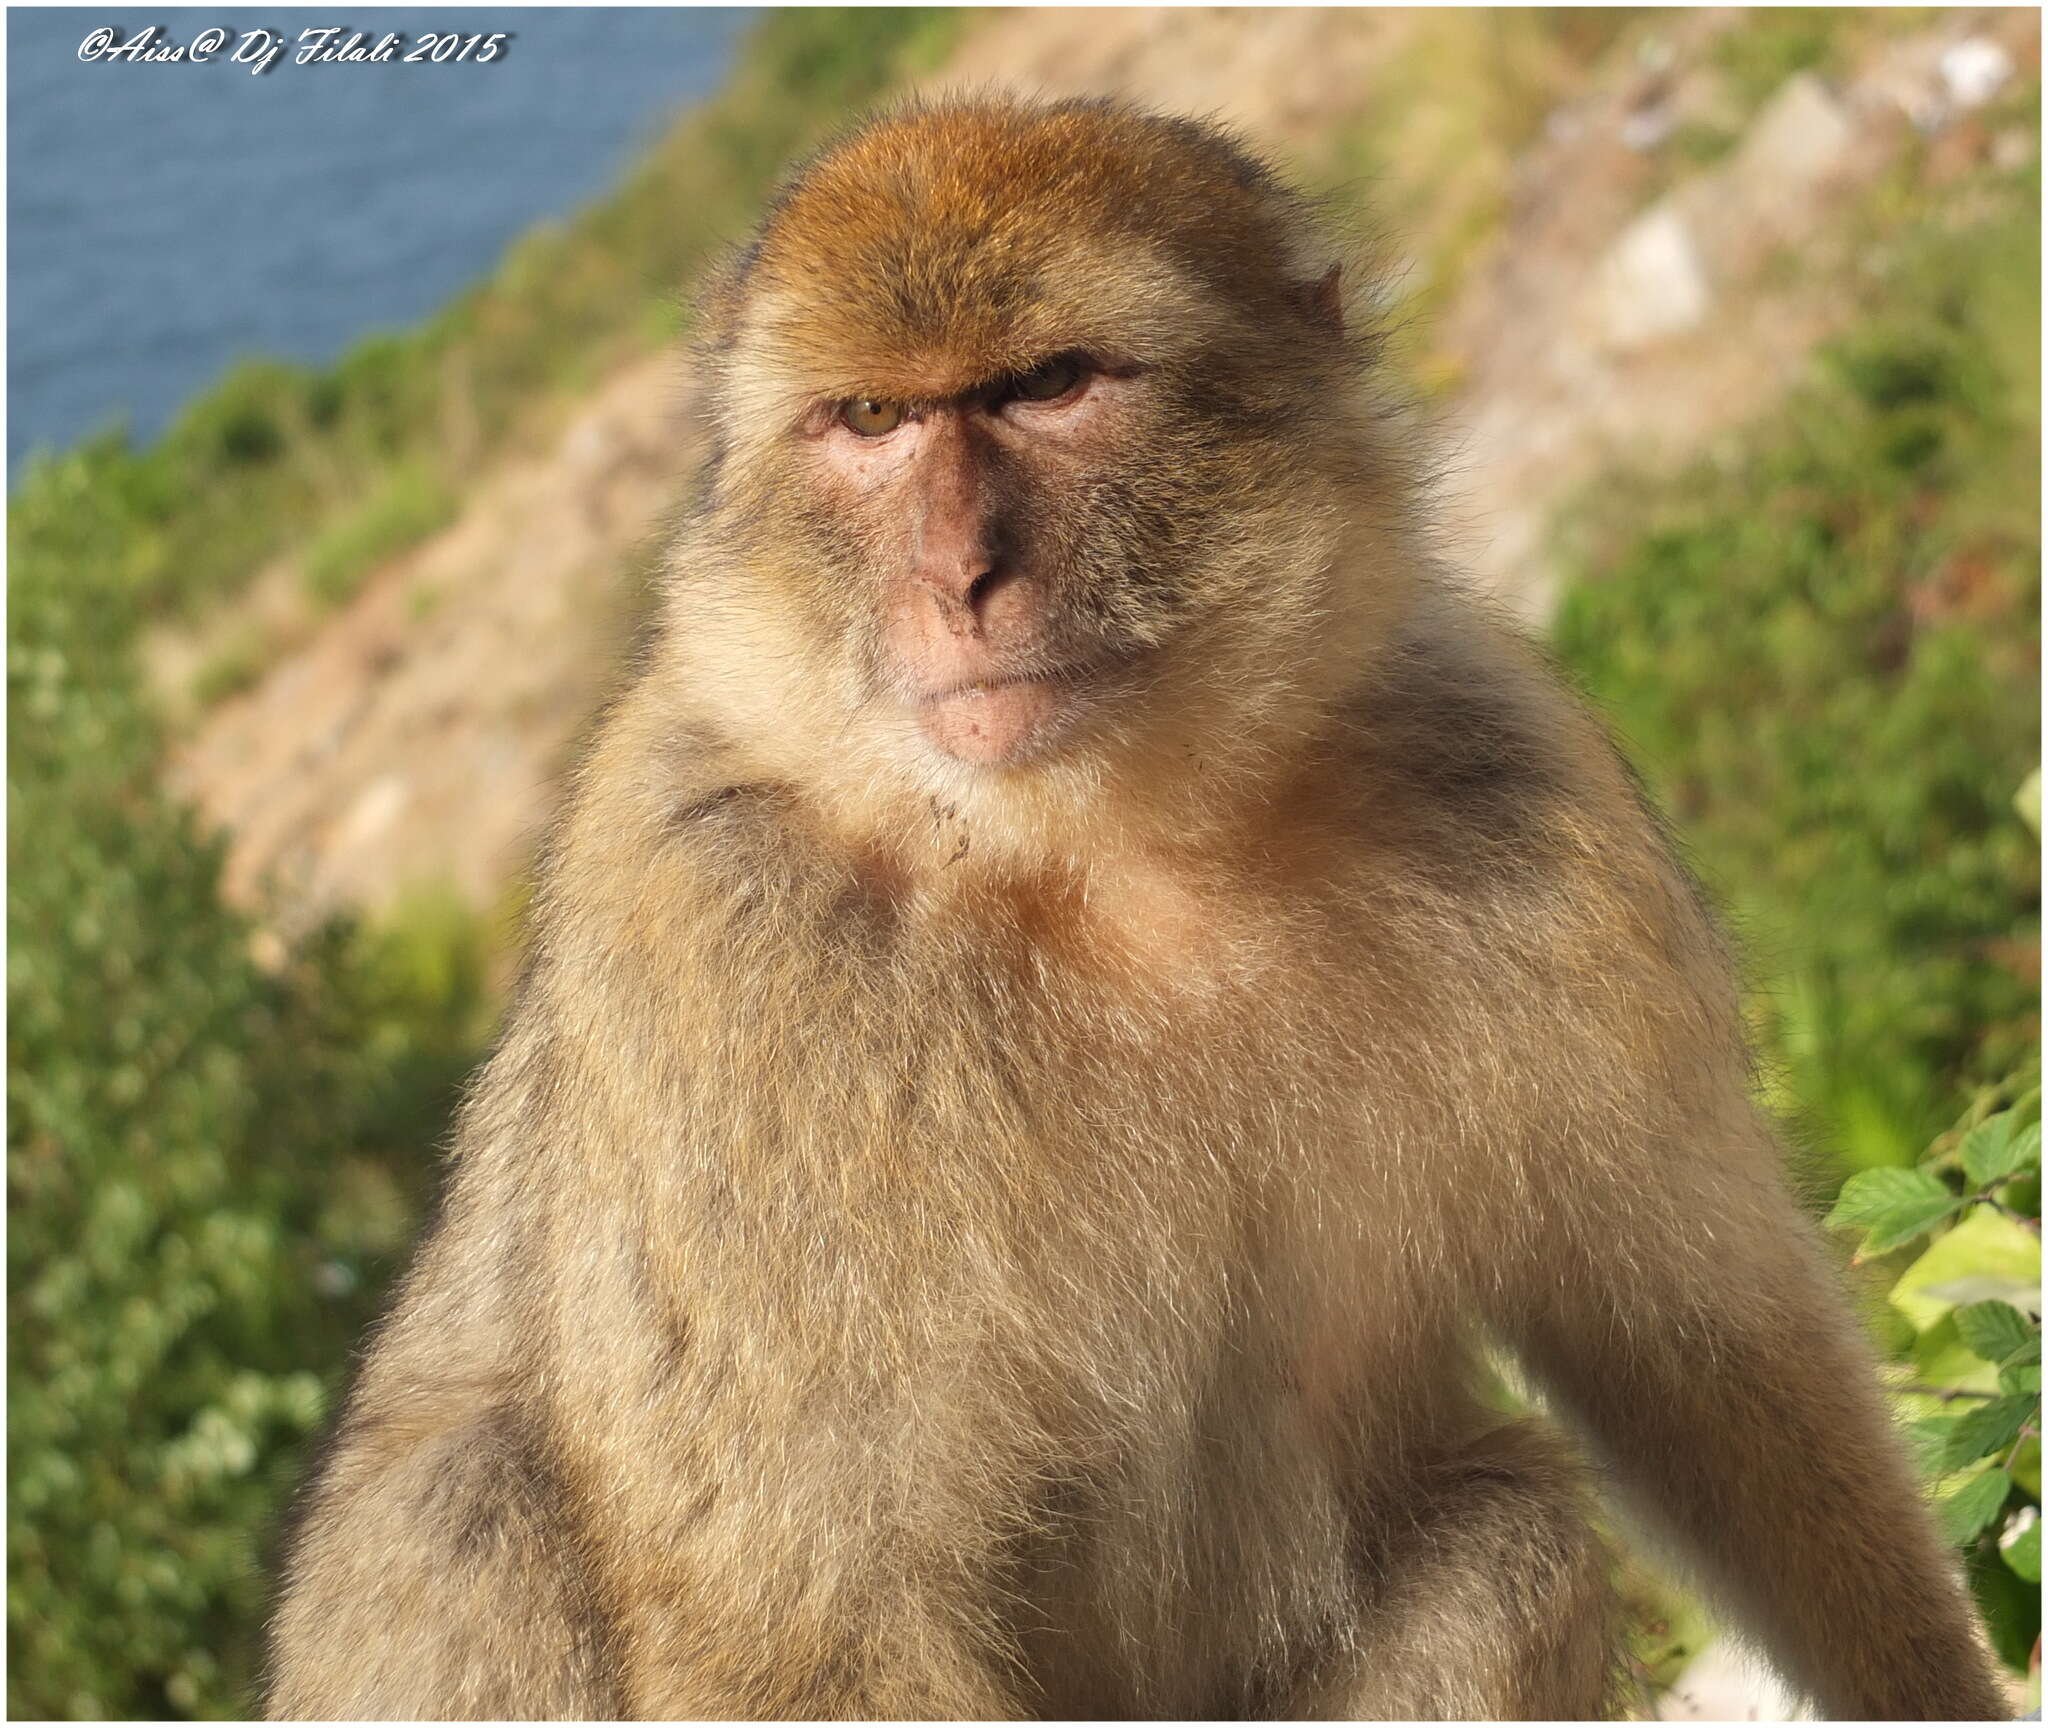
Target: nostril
x,y
978,590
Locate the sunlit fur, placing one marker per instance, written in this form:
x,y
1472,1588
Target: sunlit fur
x,y
961,1241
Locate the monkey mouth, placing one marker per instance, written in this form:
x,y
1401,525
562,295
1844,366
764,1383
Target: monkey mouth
x,y
1005,718
990,683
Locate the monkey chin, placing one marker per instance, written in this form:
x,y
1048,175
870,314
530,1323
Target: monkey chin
x,y
998,724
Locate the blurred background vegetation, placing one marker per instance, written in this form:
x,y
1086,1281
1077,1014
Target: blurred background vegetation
x,y
1813,619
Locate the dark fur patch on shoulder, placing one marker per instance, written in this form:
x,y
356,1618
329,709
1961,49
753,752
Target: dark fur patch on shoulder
x,y
487,1487
1474,750
1466,758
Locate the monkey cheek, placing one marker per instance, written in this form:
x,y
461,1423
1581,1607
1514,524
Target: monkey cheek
x,y
990,727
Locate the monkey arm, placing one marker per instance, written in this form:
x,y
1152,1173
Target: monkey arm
x,y
1697,1332
424,1577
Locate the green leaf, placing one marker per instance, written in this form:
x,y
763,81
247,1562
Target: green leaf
x,y
1984,1430
1996,1331
1870,1195
2021,1379
1930,1441
2000,1147
1972,1506
2020,1543
1985,1257
1955,1439
1893,1206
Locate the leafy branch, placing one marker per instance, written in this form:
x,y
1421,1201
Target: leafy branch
x,y
1984,1325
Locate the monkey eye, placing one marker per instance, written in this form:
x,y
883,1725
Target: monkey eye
x,y
871,418
1051,380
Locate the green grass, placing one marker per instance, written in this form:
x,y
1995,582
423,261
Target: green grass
x,y
211,1168
1777,43
411,503
229,669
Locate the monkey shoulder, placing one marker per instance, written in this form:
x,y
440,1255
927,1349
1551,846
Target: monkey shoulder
x,y
661,809
1484,797
1468,763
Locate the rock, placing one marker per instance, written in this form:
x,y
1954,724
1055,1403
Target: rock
x,y
1973,70
1800,138
1652,285
267,950
371,816
1646,128
1779,183
1907,79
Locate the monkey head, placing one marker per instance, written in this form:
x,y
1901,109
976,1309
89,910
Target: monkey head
x,y
1036,453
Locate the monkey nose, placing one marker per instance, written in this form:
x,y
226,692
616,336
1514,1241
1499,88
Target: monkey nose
x,y
952,564
965,593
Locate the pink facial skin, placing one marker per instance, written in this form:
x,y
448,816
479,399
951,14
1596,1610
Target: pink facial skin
x,y
954,493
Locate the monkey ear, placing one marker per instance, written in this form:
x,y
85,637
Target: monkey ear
x,y
1323,299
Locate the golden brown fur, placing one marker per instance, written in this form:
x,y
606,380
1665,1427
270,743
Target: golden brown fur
x,y
958,1236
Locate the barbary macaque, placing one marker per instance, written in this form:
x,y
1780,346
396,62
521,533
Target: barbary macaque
x,y
1081,990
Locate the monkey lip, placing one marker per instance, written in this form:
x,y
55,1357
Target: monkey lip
x,y
998,719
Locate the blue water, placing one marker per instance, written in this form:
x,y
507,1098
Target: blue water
x,y
165,220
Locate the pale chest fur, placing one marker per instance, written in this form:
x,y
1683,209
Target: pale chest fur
x,y
1068,1126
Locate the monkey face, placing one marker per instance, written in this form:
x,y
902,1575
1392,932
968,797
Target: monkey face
x,y
1035,419
1011,596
